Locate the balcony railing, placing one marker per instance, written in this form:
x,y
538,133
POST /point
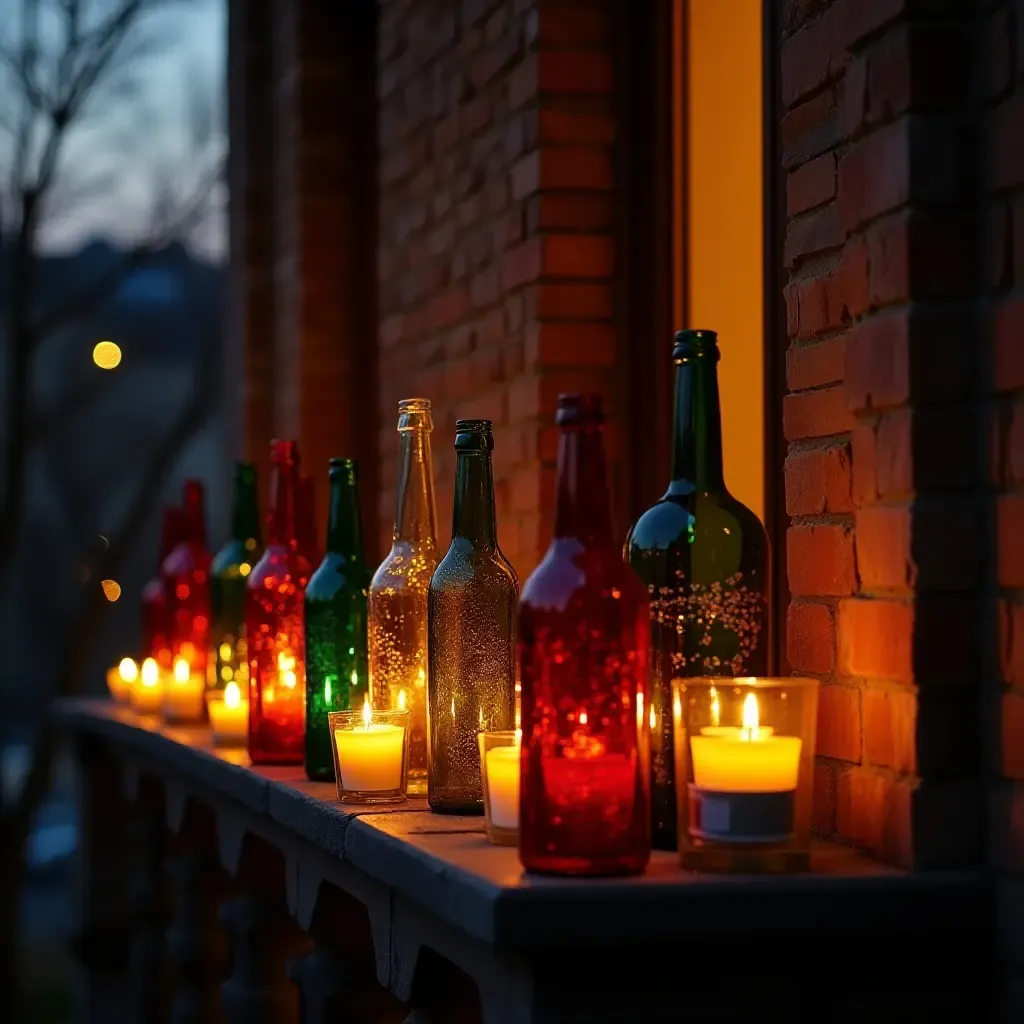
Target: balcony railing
x,y
214,891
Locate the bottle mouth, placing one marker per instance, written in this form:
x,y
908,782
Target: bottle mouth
x,y
579,411
414,405
284,453
414,414
338,469
695,343
474,436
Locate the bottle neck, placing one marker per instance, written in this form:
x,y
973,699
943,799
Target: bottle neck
x,y
245,519
344,526
281,523
193,525
415,515
581,505
697,428
473,518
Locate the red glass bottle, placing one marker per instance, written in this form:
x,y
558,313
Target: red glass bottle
x,y
274,623
156,623
187,579
583,651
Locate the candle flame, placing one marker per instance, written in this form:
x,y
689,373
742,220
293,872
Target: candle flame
x,y
640,710
652,718
286,670
150,672
583,717
716,708
181,671
128,670
751,718
367,712
232,695
401,700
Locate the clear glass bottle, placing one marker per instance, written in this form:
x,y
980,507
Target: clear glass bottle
x,y
704,557
583,653
398,591
471,622
273,624
228,573
335,615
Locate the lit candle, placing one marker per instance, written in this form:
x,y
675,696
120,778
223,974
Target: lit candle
x,y
503,785
229,717
370,756
747,759
120,680
183,694
148,690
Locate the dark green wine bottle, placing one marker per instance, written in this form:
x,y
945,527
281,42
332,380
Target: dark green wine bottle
x,y
337,674
704,557
228,571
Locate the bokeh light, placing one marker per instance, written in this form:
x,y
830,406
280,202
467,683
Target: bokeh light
x,y
111,589
106,355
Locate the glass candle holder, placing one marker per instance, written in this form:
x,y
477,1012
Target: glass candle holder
x,y
744,757
184,695
500,753
147,694
120,680
229,717
371,754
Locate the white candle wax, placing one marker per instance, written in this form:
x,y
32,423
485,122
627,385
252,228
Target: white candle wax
x,y
183,694
370,757
503,785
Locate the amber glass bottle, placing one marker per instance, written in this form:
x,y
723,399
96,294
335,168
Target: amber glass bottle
x,y
398,591
704,557
583,650
471,622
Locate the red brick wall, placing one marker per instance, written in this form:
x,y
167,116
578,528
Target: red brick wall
x,y
886,548
495,250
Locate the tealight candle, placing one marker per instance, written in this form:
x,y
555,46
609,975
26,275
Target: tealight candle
x,y
120,680
500,754
370,756
183,694
148,690
229,717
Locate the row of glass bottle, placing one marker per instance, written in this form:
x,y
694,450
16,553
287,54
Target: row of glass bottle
x,y
583,624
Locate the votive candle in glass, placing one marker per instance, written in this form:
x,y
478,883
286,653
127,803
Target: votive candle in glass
x,y
148,689
500,753
120,679
744,748
371,754
229,717
184,694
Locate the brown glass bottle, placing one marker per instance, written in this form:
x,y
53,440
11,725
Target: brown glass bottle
x,y
397,623
471,622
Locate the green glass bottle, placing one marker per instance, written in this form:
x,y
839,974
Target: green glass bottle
x,y
704,557
337,674
228,571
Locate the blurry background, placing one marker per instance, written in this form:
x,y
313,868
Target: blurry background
x,y
112,141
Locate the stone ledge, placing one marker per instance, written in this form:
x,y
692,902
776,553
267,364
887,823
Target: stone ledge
x,y
444,866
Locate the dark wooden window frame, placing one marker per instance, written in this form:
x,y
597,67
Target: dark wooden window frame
x,y
645,286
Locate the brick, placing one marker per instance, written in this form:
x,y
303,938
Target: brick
x,y
811,56
810,129
876,639
1012,735
810,366
811,184
557,212
1011,643
561,24
890,728
873,811
864,459
810,638
575,71
577,255
820,560
447,308
570,344
1008,345
1006,143
816,413
574,126
894,454
883,548
814,232
839,723
570,302
823,811
521,264
818,481
1012,469
1010,540
567,168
